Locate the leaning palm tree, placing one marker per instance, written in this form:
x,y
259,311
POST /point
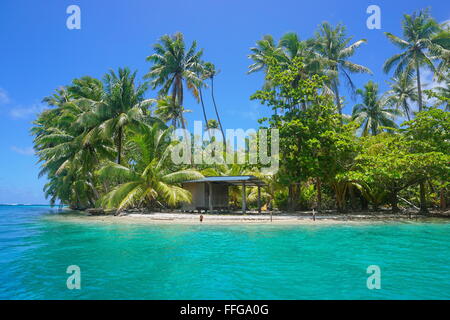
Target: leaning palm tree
x,y
403,92
151,179
210,73
332,44
173,66
122,106
371,113
419,46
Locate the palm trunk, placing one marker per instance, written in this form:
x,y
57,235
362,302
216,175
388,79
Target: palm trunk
x,y
203,107
405,107
419,88
182,121
338,99
217,113
423,200
119,145
374,129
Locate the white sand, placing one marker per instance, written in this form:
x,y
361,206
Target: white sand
x,y
221,219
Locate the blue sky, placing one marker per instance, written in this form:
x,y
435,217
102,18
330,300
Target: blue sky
x,y
38,54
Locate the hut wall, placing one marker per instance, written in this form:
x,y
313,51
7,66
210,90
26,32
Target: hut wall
x,y
198,196
220,195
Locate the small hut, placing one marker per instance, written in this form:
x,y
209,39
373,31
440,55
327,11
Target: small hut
x,y
211,193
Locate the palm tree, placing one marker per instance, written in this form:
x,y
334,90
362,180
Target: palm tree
x,y
289,47
333,46
58,98
210,73
173,65
444,94
67,157
403,92
372,114
167,110
419,48
421,41
212,124
200,93
123,105
442,40
150,179
264,49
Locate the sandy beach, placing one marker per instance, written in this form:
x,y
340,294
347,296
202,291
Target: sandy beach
x,y
230,219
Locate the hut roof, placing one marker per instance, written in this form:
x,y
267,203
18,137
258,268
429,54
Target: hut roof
x,y
233,180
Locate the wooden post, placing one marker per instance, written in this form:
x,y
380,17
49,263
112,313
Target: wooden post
x,y
259,199
210,198
244,200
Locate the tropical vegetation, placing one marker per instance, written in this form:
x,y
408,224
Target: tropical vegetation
x,y
107,142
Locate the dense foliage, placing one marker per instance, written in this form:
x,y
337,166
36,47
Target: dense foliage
x,y
103,143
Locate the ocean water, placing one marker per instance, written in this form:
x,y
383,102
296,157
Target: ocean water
x,y
129,261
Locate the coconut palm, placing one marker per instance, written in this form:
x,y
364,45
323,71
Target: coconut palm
x,y
419,48
371,113
66,156
444,93
151,178
403,92
442,40
332,44
289,47
264,49
202,102
123,105
212,124
168,111
173,66
210,72
58,98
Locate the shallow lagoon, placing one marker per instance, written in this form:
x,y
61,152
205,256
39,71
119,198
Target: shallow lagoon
x,y
132,261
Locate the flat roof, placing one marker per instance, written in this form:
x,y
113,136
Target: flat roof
x,y
233,180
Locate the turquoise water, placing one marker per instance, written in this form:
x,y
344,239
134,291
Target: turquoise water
x,y
219,262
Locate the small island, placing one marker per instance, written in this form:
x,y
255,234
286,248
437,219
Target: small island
x,y
105,146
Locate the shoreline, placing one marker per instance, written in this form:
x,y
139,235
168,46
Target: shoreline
x,y
250,219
